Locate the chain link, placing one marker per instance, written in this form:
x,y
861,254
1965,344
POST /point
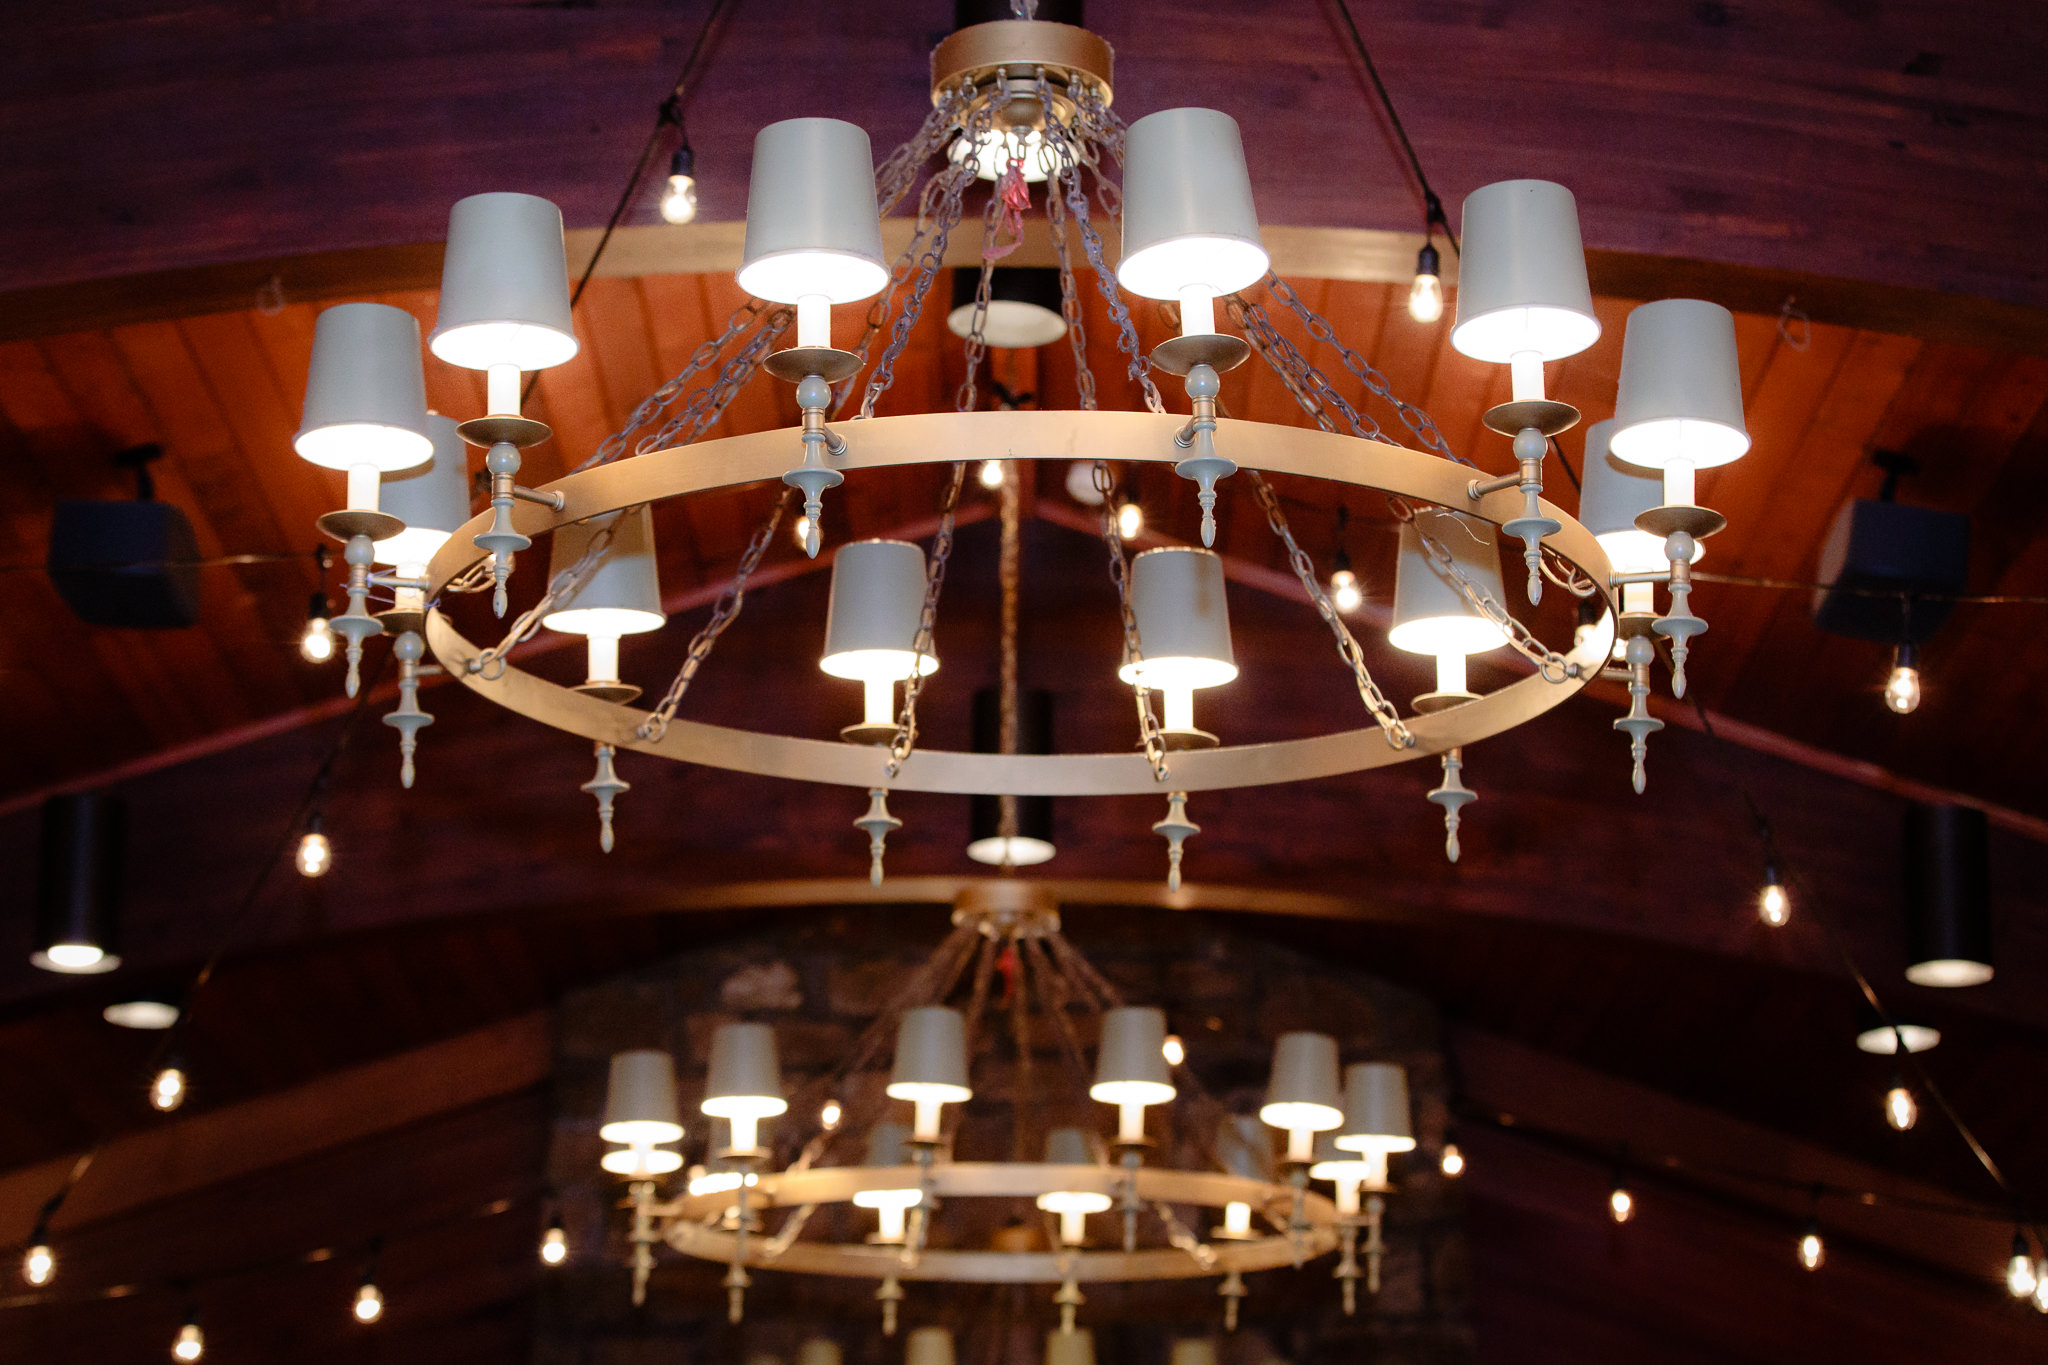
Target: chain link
x,y
1382,711
703,358
491,663
1554,666
905,740
1149,733
1310,386
723,613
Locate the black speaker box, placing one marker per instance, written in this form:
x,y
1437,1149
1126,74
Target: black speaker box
x,y
1890,549
125,564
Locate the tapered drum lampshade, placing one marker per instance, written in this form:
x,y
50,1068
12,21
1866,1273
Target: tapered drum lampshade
x,y
432,500
1680,400
640,1104
1130,1066
1948,896
1070,1348
366,394
1303,1095
819,1351
871,621
1193,1351
1183,620
1522,275
504,285
1615,493
931,1065
78,884
888,1145
1432,615
744,1084
1070,1147
1376,1117
1188,219
929,1346
813,226
620,594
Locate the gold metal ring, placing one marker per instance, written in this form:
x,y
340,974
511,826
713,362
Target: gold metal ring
x,y
936,438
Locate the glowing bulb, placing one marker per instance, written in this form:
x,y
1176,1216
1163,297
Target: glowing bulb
x,y
554,1244
316,855
2041,1287
1345,593
191,1343
1452,1162
2020,1276
1174,1050
679,200
167,1091
1426,295
75,957
316,646
369,1305
1621,1205
991,474
829,1116
1130,519
1900,1110
1902,689
800,532
1811,1250
39,1266
1772,907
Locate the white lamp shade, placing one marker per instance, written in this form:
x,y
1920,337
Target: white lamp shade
x,y
813,226
1183,619
366,391
888,1145
871,623
1068,1147
1188,217
504,285
1070,1348
1431,613
640,1104
1681,387
1303,1091
931,1056
929,1346
745,1079
621,593
1194,1351
432,500
1613,493
1522,274
1130,1066
819,1351
1244,1147
1331,1162
1376,1109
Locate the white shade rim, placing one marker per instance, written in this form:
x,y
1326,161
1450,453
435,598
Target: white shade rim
x,y
504,341
1701,442
1222,264
787,276
346,445
603,621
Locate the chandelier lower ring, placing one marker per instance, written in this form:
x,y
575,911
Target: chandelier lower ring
x,y
1061,437
690,1224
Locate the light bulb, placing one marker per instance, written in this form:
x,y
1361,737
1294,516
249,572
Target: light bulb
x,y
191,1343
1426,295
1345,593
2041,1286
554,1244
39,1266
1772,907
1130,519
369,1305
1452,1162
316,646
1174,1050
1902,689
1900,1110
1812,1251
167,1091
829,1116
315,855
1621,1205
679,200
2020,1276
991,474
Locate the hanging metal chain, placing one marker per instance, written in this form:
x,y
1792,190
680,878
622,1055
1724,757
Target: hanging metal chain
x,y
723,613
1309,385
703,358
1070,302
1382,711
905,741
1007,576
1554,666
491,663
968,397
1319,327
1149,733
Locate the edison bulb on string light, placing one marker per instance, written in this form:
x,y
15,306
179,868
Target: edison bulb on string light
x,y
1901,1111
1772,906
1426,295
2020,1276
679,196
369,1304
829,1116
167,1091
2041,1287
39,1266
1174,1050
1452,1162
1345,594
315,854
190,1343
1621,1205
1902,688
991,474
554,1243
316,644
1130,519
1812,1251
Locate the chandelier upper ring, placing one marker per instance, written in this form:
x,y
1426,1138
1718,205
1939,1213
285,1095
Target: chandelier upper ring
x,y
1010,49
1061,436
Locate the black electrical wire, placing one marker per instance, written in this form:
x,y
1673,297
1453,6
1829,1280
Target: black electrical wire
x,y
1432,206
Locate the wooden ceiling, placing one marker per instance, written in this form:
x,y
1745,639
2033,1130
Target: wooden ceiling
x,y
366,1058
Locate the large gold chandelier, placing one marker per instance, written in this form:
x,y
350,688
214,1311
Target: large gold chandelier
x,y
1026,105
1243,1210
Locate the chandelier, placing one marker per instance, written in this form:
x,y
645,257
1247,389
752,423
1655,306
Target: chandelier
x,y
1026,106
1244,1210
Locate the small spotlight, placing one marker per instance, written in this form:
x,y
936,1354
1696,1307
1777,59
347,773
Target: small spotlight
x,y
991,474
1130,519
679,197
1426,295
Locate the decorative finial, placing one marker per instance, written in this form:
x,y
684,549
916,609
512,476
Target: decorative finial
x,y
501,539
1070,1300
356,624
1205,466
606,786
1453,796
1639,724
1176,829
408,719
890,1295
878,825
1678,624
1233,1292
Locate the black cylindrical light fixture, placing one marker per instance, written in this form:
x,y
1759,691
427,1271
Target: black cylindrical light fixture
x,y
1033,842
1948,896
1023,307
78,884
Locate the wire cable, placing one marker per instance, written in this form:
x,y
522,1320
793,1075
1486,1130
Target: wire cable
x,y
1432,206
